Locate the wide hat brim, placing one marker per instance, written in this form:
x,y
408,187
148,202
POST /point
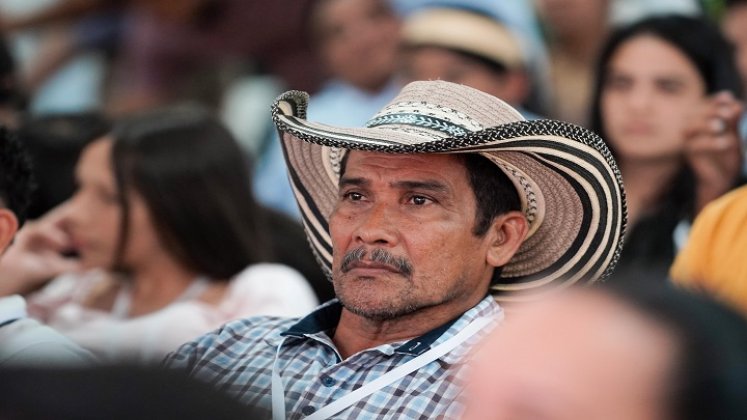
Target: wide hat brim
x,y
568,183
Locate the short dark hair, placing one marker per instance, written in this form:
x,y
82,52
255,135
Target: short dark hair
x,y
16,181
710,372
196,184
494,192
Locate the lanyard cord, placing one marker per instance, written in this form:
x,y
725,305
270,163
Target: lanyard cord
x,y
278,391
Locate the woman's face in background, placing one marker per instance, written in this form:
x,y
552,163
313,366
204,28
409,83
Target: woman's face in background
x,y
93,214
651,91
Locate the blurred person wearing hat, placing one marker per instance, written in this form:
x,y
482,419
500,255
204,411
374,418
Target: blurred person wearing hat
x,y
620,352
445,197
464,46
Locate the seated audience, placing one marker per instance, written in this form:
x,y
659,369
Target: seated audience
x,y
23,341
443,200
168,241
666,104
625,352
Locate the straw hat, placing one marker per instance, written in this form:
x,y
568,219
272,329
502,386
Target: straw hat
x,y
465,31
568,183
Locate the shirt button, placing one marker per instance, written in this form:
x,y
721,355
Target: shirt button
x,y
308,410
328,381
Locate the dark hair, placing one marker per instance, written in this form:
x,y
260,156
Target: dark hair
x,y
494,192
732,3
10,92
710,373
196,184
696,38
712,56
16,181
495,195
54,142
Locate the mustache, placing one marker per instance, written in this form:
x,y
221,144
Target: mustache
x,y
378,255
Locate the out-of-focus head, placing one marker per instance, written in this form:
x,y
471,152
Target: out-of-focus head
x,y
652,78
734,26
632,352
169,181
464,47
15,186
358,40
563,18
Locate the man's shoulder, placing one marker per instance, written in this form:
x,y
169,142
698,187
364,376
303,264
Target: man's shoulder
x,y
237,340
256,327
248,330
27,342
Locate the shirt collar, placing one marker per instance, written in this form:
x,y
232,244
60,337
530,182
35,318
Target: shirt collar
x,y
326,317
12,308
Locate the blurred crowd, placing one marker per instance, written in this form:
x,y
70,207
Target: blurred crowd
x,y
160,206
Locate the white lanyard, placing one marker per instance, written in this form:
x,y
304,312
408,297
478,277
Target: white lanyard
x,y
278,391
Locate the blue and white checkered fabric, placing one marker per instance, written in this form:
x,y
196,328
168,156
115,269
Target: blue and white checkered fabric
x,y
238,359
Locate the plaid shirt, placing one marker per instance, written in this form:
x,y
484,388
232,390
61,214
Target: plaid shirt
x,y
238,359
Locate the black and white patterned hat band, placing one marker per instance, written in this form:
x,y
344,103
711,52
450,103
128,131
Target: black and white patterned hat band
x,y
568,183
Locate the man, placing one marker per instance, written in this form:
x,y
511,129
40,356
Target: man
x,y
632,351
466,47
23,340
446,192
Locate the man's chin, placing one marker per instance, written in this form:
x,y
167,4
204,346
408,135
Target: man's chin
x,y
380,312
377,306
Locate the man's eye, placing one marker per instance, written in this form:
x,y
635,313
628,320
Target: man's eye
x,y
419,200
353,196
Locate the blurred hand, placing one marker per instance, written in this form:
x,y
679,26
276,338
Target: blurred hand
x,y
713,147
36,255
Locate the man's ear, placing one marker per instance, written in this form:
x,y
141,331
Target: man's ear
x,y
507,232
8,228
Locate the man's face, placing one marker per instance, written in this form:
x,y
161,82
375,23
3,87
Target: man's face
x,y
580,356
434,63
402,235
359,41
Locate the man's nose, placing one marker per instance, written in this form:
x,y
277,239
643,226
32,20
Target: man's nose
x,y
377,226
